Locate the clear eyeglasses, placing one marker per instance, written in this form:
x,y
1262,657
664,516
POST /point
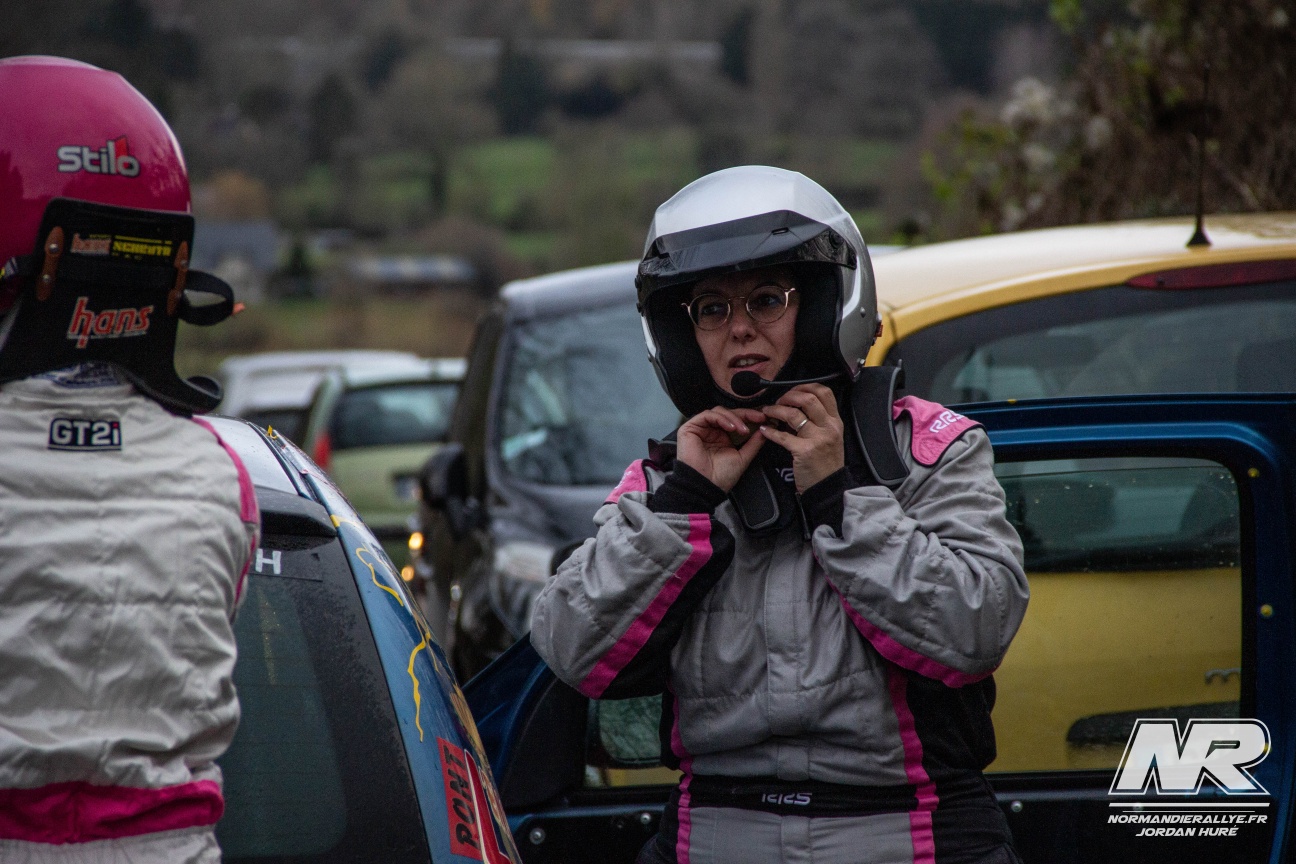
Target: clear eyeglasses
x,y
765,304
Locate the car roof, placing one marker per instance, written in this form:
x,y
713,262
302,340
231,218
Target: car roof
x,y
249,363
925,284
419,369
570,289
287,379
263,467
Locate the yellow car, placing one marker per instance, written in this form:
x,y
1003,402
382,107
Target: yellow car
x,y
1081,310
1136,573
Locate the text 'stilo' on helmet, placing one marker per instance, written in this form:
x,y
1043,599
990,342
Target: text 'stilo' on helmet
x,y
95,232
744,218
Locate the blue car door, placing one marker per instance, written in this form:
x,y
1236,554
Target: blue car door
x,y
1144,712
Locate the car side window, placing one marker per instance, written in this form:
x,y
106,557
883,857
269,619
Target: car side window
x,y
1136,605
1136,608
1109,341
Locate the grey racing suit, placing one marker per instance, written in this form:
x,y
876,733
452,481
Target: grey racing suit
x,y
846,676
125,537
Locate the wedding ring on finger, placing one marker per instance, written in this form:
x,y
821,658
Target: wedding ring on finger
x,y
797,430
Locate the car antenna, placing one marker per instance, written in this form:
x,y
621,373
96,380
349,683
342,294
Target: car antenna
x,y
1199,237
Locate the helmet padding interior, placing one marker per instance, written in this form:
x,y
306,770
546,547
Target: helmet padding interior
x,y
816,354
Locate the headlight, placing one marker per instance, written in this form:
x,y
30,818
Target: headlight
x,y
519,559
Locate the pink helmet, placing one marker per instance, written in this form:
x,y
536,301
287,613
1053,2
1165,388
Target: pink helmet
x,y
78,131
95,232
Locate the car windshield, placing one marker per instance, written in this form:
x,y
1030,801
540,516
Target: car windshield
x,y
1110,341
407,413
581,399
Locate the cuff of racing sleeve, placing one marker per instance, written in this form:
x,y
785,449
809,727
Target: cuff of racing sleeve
x,y
825,502
686,491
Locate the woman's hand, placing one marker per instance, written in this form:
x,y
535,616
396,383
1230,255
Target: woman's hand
x,y
815,439
704,444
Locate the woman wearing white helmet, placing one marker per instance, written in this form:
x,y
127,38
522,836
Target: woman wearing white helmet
x,y
820,579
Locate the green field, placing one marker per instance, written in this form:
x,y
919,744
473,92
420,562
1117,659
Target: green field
x,y
582,197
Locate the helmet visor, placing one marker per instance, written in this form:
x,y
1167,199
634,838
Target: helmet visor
x,y
754,241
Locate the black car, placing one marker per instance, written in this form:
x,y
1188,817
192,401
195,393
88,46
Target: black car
x,y
558,398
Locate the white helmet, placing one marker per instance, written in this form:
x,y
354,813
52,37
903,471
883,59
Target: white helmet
x,y
740,219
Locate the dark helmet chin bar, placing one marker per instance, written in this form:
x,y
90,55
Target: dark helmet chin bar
x,y
110,285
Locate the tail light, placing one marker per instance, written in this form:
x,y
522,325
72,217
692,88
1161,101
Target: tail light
x,y
1218,275
323,451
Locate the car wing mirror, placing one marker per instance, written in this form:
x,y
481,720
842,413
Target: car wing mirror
x,y
443,486
562,554
445,476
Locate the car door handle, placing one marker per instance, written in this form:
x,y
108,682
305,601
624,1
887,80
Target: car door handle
x,y
1223,674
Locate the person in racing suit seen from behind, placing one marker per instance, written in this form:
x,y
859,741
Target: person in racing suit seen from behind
x,y
126,525
819,578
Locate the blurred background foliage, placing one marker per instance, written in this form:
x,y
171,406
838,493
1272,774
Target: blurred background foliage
x,y
533,135
1148,82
